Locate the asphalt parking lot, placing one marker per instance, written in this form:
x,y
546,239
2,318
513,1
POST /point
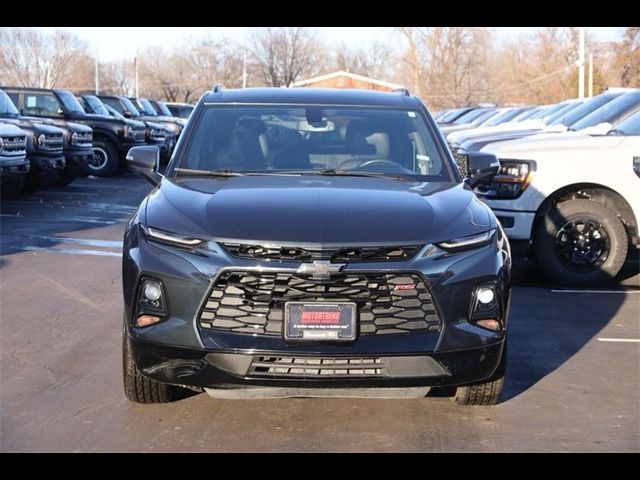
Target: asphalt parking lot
x,y
573,380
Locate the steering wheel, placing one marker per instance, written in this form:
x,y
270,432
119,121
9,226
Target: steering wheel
x,y
382,163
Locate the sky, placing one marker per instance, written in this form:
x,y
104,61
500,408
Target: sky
x,y
121,42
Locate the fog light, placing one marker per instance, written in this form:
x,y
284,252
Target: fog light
x,y
486,295
146,320
152,290
489,323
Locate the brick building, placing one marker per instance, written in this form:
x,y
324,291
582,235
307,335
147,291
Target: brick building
x,y
342,79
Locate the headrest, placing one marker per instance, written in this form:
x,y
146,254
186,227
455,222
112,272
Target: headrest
x,y
380,142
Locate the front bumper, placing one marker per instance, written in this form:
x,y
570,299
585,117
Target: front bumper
x,y
14,167
200,368
78,157
177,350
46,163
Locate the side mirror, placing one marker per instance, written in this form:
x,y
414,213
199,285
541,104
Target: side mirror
x,y
126,113
144,161
60,111
481,167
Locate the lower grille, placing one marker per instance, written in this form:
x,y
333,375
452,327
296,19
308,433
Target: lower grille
x,y
314,367
253,302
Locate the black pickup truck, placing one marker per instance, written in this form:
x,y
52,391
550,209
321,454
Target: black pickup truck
x,y
112,137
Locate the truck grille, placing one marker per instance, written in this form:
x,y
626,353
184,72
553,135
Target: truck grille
x,y
253,302
299,254
316,367
14,144
84,140
52,143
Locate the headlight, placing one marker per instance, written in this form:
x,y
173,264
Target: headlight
x,y
467,243
155,132
636,163
74,137
177,240
1,144
512,179
42,140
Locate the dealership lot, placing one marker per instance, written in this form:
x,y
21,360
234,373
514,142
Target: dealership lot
x,y
572,382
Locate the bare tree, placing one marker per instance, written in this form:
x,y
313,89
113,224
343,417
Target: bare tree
x,y
375,61
628,57
28,57
117,77
448,65
281,55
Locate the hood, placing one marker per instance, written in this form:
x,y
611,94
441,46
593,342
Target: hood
x,y
37,126
63,124
298,210
98,118
529,147
458,138
10,130
134,123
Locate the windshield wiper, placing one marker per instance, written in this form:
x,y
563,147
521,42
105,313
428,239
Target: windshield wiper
x,y
351,173
615,131
208,173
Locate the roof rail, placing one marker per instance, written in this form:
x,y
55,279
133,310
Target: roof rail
x,y
217,88
402,90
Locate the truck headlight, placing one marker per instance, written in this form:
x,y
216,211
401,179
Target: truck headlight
x,y
467,243
74,137
1,144
512,179
42,140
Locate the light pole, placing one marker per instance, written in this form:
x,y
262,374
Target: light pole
x,y
581,65
97,69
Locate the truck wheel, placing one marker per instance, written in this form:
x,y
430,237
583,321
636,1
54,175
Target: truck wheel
x,y
137,387
105,159
581,243
487,392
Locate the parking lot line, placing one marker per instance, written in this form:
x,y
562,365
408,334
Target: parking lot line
x,y
81,219
81,241
621,340
595,291
72,251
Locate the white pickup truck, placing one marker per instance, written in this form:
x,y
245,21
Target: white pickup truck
x,y
575,198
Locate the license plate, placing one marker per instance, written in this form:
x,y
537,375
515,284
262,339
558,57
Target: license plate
x,y
331,321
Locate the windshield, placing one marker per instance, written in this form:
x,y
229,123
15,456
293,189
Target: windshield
x,y
470,116
453,114
70,101
163,109
610,112
113,112
583,110
147,108
314,139
96,105
563,111
503,117
6,105
631,126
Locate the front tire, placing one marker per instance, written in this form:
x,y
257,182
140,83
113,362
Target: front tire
x,y
487,392
137,387
581,243
105,161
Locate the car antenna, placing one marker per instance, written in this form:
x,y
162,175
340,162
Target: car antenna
x,y
217,88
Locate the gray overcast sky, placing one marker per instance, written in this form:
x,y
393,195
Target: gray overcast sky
x,y
121,42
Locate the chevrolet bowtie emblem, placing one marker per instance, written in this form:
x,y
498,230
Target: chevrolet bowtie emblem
x,y
321,269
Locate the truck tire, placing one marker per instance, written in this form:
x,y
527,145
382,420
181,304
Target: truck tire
x,y
106,160
137,387
487,392
581,243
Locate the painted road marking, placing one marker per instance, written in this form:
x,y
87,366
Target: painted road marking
x,y
622,340
595,291
72,251
57,219
81,241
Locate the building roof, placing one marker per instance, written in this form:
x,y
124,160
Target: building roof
x,y
321,96
342,73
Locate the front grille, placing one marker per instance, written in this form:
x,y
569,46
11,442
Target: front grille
x,y
84,139
14,144
253,302
52,142
299,254
316,367
138,135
